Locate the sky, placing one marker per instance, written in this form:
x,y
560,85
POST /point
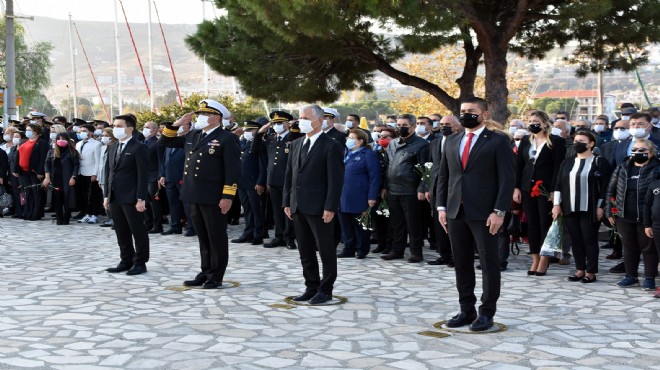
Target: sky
x,y
137,11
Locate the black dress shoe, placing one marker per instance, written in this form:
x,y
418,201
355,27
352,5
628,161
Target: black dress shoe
x,y
482,323
437,261
211,284
415,259
291,245
361,256
309,294
461,319
121,267
257,241
345,254
320,298
276,242
106,224
156,230
379,249
198,281
137,270
78,216
392,256
190,232
618,269
171,231
242,239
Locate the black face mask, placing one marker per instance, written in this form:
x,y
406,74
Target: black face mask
x,y
446,130
469,120
640,157
580,147
535,128
404,131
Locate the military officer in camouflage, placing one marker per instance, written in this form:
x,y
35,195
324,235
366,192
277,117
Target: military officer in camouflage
x,y
211,172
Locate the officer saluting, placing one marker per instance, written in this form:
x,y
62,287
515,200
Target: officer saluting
x,y
277,146
212,169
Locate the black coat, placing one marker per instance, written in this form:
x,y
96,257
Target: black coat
x,y
618,185
546,166
598,179
4,166
37,158
253,166
155,152
61,170
127,176
277,153
338,135
172,164
315,184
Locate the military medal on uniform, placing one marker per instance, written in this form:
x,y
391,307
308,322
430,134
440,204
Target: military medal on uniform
x,y
212,145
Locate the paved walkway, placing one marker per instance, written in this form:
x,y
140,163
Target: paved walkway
x,y
59,309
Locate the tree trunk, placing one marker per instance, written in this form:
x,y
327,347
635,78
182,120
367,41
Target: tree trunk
x,y
497,92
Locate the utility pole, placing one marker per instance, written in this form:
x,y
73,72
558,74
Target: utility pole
x,y
73,69
120,107
151,62
10,52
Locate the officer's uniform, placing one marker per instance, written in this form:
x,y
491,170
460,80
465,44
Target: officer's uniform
x,y
211,172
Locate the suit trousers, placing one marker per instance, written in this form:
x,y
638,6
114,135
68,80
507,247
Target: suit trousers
x,y
442,241
211,227
33,202
464,235
129,227
407,223
636,244
89,195
254,218
539,218
154,213
315,235
283,225
356,239
584,236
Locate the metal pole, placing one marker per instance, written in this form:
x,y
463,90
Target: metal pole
x,y
10,52
120,108
600,92
206,66
73,69
151,62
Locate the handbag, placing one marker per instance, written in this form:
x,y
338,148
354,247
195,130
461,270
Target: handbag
x,y
6,200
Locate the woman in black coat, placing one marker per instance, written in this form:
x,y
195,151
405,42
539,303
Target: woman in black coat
x,y
580,194
539,157
62,165
29,166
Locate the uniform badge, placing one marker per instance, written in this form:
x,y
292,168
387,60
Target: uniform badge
x,y
212,144
656,191
286,148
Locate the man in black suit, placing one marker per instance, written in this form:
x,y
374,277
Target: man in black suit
x,y
312,190
211,172
475,188
126,189
154,212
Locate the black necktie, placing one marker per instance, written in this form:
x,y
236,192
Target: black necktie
x,y
279,139
305,149
121,146
204,134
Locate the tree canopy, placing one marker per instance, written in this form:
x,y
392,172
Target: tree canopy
x,y
310,51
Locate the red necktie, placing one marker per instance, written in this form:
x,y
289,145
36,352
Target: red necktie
x,y
466,150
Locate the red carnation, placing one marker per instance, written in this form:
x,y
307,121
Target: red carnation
x,y
615,210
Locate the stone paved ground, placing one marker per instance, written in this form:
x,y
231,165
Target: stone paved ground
x,y
60,310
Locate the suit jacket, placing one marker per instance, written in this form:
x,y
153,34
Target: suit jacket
x,y
212,167
4,165
616,151
338,135
277,153
127,176
155,152
253,166
546,166
172,164
487,182
315,184
436,157
362,180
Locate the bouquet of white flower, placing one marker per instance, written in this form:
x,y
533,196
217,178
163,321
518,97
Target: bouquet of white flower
x,y
365,219
553,241
425,172
383,209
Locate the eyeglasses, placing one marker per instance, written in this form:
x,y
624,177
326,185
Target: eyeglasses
x,y
620,128
638,150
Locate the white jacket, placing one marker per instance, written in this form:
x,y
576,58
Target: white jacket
x,y
90,157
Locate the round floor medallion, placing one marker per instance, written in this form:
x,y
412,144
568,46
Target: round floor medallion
x,y
333,302
182,288
496,328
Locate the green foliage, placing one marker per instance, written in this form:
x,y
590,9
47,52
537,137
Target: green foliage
x,y
552,106
371,109
32,64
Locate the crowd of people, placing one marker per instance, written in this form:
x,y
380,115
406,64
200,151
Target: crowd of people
x,y
393,191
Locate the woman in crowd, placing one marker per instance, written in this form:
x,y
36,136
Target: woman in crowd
x,y
362,180
107,138
626,200
539,157
381,222
580,193
29,167
17,139
61,169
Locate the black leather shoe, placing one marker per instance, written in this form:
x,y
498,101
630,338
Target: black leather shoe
x,y
190,232
198,281
482,323
415,259
106,224
276,242
345,254
309,294
137,270
211,284
379,249
120,268
156,230
618,269
242,239
437,262
78,216
461,319
320,298
361,256
392,256
257,242
291,245
171,231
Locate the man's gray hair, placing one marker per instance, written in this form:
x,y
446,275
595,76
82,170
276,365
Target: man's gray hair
x,y
566,127
586,122
453,119
410,117
317,111
517,123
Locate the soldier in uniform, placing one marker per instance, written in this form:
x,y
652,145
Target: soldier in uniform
x,y
277,147
328,126
211,171
251,186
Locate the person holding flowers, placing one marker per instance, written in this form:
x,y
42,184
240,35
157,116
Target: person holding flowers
x,y
539,157
362,180
579,196
62,166
625,209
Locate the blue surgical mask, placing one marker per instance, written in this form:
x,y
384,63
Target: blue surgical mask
x,y
351,143
29,134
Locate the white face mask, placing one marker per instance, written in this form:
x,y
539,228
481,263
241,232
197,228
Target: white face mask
x,y
420,130
119,133
84,135
53,135
655,120
324,125
16,141
105,140
638,132
75,128
435,124
33,122
98,132
391,124
375,136
305,126
6,137
248,136
146,132
351,143
599,128
202,122
349,124
29,134
279,128
625,118
556,131
225,122
620,134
